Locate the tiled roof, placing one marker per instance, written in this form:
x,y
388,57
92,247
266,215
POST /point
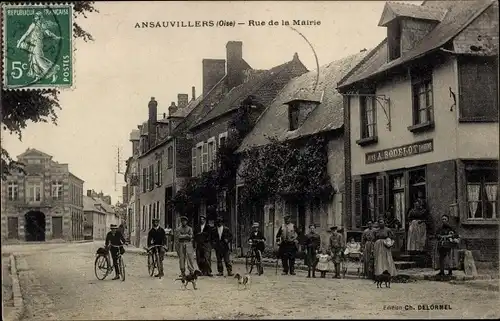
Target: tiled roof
x,y
459,14
396,9
183,112
261,84
328,115
89,204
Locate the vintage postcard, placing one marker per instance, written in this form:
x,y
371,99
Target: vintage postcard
x,y
249,160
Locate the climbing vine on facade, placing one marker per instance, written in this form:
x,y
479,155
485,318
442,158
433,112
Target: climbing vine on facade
x,y
287,170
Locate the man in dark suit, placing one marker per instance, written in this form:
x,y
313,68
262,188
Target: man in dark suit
x,y
221,237
203,247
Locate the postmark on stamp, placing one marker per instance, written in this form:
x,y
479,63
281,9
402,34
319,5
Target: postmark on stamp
x,y
37,46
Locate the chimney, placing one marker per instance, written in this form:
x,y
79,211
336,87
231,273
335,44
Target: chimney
x,y
172,109
89,193
235,63
164,115
182,100
213,71
152,108
193,93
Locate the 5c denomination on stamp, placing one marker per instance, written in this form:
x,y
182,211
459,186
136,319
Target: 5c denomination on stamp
x,y
37,46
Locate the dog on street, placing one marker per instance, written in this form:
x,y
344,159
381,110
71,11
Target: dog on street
x,y
385,277
242,280
189,278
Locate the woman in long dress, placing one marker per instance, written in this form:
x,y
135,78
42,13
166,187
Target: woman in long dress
x,y
367,239
382,254
32,41
446,248
417,231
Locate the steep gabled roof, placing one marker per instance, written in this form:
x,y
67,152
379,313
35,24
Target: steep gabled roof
x,y
392,10
33,152
260,84
459,14
328,115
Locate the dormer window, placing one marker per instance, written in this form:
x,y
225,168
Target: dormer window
x,y
293,115
394,40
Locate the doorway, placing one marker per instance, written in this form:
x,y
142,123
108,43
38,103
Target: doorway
x,y
57,226
12,228
34,226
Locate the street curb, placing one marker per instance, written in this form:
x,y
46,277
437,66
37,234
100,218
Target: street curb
x,y
480,286
18,310
415,277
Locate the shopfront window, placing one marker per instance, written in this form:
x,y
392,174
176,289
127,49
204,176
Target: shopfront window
x,y
482,194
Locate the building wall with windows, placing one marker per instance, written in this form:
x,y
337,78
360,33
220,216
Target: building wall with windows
x,y
46,200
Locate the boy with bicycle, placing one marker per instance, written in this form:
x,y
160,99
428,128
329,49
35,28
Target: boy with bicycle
x,y
157,238
115,238
257,242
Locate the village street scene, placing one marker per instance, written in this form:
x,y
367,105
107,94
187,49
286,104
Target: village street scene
x,y
272,169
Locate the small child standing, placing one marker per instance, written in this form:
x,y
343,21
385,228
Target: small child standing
x,y
322,265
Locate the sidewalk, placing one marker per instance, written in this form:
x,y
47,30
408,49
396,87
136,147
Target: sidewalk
x,y
406,275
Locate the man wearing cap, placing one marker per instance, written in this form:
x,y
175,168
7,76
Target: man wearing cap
x,y
287,240
257,241
184,236
114,237
221,237
157,236
203,245
336,250
312,244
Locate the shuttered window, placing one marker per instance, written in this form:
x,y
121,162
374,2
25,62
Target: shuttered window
x,y
211,154
199,157
357,202
381,194
205,157
193,161
145,180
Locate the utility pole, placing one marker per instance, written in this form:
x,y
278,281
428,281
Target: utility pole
x,y
118,170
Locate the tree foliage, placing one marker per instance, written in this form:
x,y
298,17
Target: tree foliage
x,y
19,108
287,170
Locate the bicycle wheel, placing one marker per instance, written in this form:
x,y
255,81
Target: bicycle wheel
x,y
151,264
101,267
121,267
249,262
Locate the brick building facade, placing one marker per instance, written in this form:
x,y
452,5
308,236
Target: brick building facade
x,y
421,114
44,203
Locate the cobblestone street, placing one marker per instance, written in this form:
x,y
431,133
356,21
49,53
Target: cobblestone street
x,y
58,283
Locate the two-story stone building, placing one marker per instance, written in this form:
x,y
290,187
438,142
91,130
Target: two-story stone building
x,y
421,117
308,106
45,202
224,89
99,215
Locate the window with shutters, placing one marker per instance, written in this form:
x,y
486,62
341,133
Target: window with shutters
x,y
170,157
369,199
205,157
222,139
368,116
150,212
193,162
145,180
159,173
358,204
13,191
154,211
57,190
158,210
422,99
151,177
478,89
199,160
211,154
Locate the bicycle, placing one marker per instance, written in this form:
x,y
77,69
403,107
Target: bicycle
x,y
251,259
153,259
102,263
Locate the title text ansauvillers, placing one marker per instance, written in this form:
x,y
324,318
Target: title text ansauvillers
x,y
222,23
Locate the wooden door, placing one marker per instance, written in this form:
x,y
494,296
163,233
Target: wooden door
x,y
13,228
57,227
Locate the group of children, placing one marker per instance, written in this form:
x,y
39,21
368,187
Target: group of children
x,y
323,258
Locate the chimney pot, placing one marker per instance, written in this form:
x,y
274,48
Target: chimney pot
x,y
213,71
182,100
193,93
172,109
164,115
295,56
235,63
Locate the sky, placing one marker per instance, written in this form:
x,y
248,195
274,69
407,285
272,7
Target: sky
x,y
118,73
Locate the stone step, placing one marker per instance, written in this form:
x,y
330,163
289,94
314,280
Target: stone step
x,y
403,265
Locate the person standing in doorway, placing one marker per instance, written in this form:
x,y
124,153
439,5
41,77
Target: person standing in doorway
x,y
221,238
417,231
204,247
312,244
185,246
336,250
287,239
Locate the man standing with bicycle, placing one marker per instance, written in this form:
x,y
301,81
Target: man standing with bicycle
x,y
115,238
257,241
157,238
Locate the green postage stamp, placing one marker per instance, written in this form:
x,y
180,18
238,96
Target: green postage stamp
x,y
37,46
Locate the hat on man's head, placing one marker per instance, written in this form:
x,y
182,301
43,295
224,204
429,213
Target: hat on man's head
x,y
219,219
312,225
113,226
255,224
203,216
333,228
184,218
155,220
287,216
